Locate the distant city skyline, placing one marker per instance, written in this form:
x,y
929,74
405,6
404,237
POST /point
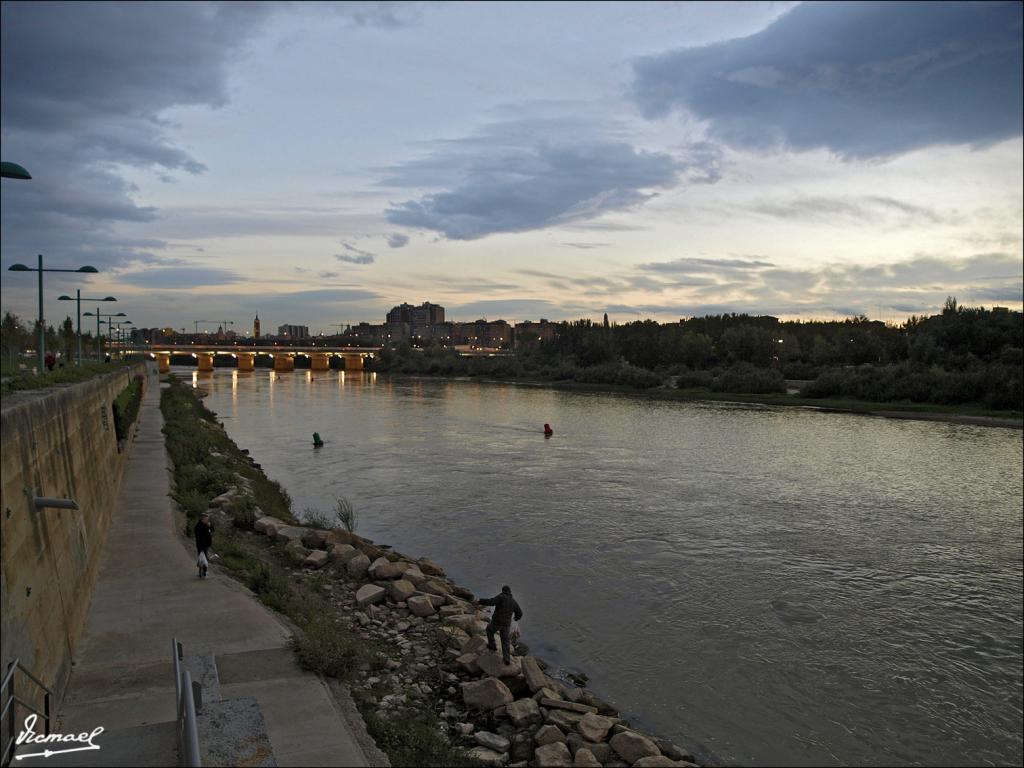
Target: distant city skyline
x,y
319,163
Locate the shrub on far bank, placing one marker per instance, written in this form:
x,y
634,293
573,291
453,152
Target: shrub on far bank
x,y
744,378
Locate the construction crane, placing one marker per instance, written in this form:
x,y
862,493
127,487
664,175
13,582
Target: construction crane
x,y
340,326
222,323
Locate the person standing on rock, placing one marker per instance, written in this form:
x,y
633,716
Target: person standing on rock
x,y
505,609
204,540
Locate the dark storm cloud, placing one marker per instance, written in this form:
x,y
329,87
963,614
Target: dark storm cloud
x,y
354,255
861,79
524,174
539,187
84,86
397,240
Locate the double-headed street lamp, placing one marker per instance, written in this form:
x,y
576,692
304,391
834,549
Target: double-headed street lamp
x,y
99,339
42,322
78,311
120,336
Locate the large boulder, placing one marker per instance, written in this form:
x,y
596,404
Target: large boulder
x,y
401,590
315,538
600,750
553,755
492,664
467,663
420,606
524,712
535,678
487,694
435,600
567,721
371,551
342,553
547,734
569,705
357,566
673,751
584,758
492,741
660,761
268,525
430,568
341,536
435,587
632,746
488,757
369,594
595,727
315,559
382,568
415,575
463,621
475,645
290,533
453,637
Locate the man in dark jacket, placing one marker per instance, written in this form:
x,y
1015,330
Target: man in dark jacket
x,y
204,539
505,609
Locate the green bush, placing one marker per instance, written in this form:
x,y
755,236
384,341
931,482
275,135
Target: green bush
x,y
692,379
126,407
744,378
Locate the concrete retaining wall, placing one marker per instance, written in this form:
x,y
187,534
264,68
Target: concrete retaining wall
x,y
60,442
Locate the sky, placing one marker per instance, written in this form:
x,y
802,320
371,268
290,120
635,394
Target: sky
x,y
319,163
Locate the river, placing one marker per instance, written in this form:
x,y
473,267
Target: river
x,y
766,586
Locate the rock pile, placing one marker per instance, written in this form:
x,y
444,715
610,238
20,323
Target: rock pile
x,y
504,714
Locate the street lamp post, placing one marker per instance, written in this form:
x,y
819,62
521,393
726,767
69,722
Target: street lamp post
x,y
42,322
78,311
120,333
99,339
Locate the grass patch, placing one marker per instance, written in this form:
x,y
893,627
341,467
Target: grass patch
x,y
416,741
15,380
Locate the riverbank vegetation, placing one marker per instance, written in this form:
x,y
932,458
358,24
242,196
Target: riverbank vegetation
x,y
212,474
962,356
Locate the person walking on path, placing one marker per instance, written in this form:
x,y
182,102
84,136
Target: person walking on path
x,y
505,609
204,539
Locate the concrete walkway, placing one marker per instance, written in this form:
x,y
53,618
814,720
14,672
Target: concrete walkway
x,y
148,593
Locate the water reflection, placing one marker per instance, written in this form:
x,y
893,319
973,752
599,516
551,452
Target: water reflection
x,y
779,586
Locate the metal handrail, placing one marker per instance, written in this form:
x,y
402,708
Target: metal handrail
x,y
10,710
188,727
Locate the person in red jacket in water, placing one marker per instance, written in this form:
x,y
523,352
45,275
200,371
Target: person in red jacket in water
x,y
548,431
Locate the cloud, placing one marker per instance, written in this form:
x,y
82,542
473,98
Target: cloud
x,y
354,255
523,175
540,187
860,79
327,275
179,277
506,309
84,89
873,209
397,240
585,246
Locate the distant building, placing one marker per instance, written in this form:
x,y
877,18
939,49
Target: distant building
x,y
256,327
487,334
425,314
529,332
293,331
366,335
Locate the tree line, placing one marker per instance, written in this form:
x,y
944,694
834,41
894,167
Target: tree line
x,y
959,356
16,337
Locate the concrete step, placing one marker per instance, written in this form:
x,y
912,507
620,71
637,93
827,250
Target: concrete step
x,y
203,668
143,745
232,732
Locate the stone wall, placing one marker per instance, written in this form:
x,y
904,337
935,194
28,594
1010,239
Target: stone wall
x,y
59,441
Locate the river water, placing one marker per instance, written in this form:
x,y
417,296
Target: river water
x,y
767,586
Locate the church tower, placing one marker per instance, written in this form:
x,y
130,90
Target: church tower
x,y
256,327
